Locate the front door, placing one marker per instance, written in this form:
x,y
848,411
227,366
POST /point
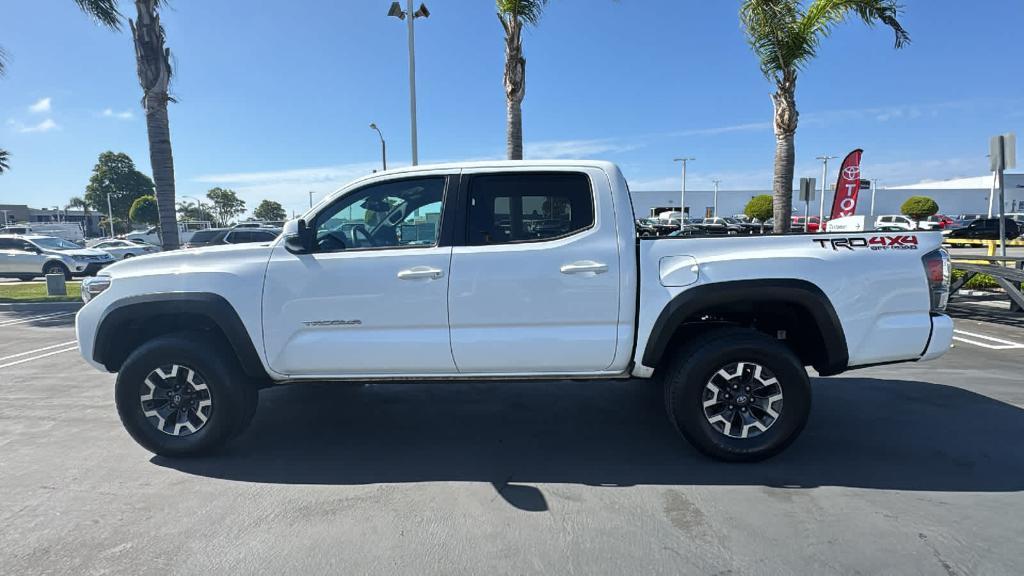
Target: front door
x,y
373,297
535,287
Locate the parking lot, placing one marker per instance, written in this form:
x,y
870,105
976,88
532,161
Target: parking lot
x,y
909,469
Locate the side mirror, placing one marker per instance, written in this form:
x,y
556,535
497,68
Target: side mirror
x,y
301,242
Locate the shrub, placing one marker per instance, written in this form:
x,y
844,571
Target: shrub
x,y
919,207
759,207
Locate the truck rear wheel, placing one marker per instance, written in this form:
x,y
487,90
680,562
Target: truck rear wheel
x,y
737,395
183,395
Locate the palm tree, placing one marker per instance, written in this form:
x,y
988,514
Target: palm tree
x,y
79,202
785,37
4,161
514,16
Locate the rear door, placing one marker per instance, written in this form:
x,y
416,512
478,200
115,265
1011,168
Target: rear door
x,y
535,276
20,257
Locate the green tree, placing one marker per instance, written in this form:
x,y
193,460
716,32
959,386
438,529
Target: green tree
x,y
759,207
785,37
144,211
4,161
193,211
919,207
516,15
269,210
115,174
226,204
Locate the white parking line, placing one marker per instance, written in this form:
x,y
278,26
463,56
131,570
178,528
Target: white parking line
x,y
43,349
49,316
23,360
999,343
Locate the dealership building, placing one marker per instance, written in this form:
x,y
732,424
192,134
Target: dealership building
x,y
960,196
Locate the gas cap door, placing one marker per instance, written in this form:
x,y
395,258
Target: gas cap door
x,y
678,270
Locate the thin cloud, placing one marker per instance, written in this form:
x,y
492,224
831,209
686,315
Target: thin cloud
x,y
41,106
714,131
110,113
575,148
44,126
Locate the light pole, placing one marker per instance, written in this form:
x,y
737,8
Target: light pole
x,y
383,146
682,194
714,210
824,175
397,12
110,216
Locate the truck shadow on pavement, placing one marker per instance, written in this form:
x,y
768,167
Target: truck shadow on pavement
x,y
863,433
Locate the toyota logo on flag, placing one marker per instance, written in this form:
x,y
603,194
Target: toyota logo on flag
x,y
851,172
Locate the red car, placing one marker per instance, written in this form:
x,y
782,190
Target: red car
x,y
810,224
937,222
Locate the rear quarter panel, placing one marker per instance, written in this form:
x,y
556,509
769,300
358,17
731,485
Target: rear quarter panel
x,y
877,285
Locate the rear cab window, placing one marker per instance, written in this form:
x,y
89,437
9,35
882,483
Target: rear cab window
x,y
528,207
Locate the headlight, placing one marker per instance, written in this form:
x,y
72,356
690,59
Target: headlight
x,y
91,287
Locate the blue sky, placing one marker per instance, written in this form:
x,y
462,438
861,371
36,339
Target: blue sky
x,y
276,101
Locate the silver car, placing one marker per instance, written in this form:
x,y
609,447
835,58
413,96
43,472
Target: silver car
x,y
27,257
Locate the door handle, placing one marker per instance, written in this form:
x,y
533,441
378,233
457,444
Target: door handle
x,y
582,266
420,272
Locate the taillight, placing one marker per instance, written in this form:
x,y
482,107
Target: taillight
x,y
938,270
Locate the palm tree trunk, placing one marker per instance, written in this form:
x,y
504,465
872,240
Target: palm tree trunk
x,y
154,69
162,161
786,115
514,130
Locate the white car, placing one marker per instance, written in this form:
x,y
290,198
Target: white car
x,y
895,221
27,257
122,249
432,273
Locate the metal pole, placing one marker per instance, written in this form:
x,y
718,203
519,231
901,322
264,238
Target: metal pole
x,y
714,213
1002,197
682,195
824,177
110,216
411,16
992,193
872,202
310,198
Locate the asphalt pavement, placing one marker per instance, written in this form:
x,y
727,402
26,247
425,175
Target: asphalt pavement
x,y
903,469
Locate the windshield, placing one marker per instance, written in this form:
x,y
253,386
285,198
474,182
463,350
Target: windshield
x,y
54,243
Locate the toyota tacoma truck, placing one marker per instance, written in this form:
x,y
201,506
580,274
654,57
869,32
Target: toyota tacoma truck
x,y
509,271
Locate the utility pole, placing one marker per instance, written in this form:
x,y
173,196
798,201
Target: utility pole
x,y
682,195
110,216
714,209
824,176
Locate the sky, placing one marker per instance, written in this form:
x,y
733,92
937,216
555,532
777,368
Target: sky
x,y
274,99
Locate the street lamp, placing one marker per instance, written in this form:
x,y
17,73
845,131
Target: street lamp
x,y
682,195
397,12
383,146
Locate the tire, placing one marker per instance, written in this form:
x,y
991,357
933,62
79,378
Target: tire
x,y
206,371
128,255
56,268
26,278
725,430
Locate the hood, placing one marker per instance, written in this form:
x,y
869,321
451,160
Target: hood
x,y
219,257
89,253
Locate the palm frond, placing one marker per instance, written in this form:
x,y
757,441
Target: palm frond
x,y
4,161
527,11
823,15
3,61
104,11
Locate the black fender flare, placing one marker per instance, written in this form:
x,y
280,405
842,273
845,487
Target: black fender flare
x,y
800,293
136,309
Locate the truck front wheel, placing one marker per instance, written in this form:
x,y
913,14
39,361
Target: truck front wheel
x,y
183,394
737,395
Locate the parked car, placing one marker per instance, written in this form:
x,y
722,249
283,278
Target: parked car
x,y
727,325
185,231
648,227
936,222
27,256
809,224
206,237
722,226
895,221
122,249
986,229
70,231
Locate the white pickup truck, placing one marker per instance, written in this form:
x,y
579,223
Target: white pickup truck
x,y
505,271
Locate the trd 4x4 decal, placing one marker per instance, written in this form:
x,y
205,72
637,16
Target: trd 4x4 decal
x,y
888,242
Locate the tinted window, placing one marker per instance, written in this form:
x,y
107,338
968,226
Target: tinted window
x,y
204,236
246,236
388,215
507,208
